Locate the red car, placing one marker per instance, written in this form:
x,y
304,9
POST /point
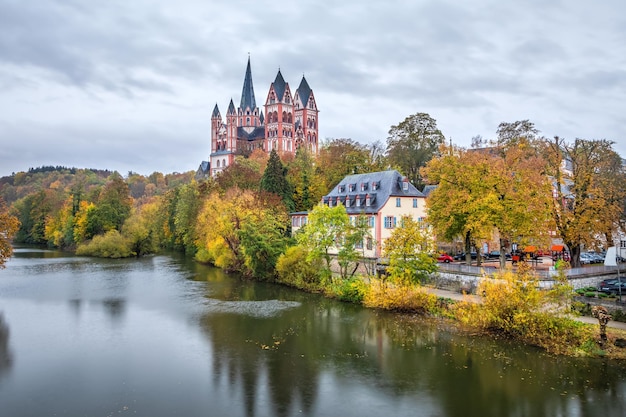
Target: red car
x,y
444,257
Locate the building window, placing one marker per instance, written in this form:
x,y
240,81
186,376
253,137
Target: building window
x,y
368,200
369,243
372,221
375,185
347,201
358,245
358,201
415,203
405,184
390,222
398,202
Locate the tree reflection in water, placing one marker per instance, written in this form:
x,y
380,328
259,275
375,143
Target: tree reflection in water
x,y
283,358
6,359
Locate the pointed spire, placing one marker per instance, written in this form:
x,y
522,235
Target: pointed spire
x,y
247,94
279,86
231,107
262,118
304,91
216,112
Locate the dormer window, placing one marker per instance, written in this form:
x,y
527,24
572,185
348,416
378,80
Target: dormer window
x,y
405,184
348,202
351,187
375,185
368,200
358,201
363,186
342,188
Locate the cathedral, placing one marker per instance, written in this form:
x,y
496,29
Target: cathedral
x,y
286,123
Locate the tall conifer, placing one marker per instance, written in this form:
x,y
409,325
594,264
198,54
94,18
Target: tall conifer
x,y
274,180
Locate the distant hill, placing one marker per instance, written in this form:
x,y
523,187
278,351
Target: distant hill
x,y
64,179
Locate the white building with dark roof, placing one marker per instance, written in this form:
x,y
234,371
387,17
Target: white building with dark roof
x,y
383,197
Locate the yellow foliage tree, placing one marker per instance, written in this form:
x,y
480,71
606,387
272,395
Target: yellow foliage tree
x,y
8,227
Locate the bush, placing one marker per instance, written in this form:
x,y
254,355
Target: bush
x,y
293,269
352,290
515,306
590,294
411,298
110,245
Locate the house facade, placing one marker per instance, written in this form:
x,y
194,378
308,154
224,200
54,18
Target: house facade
x,y
286,122
383,197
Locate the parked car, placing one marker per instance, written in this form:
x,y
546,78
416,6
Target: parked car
x,y
495,254
586,259
461,256
606,283
614,288
444,257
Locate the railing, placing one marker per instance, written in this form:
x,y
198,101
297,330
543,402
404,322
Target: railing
x,y
572,273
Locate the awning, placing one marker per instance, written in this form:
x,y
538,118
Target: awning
x,y
530,249
557,248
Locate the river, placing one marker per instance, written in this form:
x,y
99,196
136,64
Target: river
x,y
164,336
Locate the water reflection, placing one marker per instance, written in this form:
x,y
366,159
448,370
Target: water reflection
x,y
414,361
6,358
166,336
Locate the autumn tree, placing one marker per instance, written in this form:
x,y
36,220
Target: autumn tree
x,y
340,157
409,250
499,190
588,192
242,232
453,206
518,191
244,174
412,143
9,225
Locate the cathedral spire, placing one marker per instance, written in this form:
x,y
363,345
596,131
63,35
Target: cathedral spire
x,y
247,94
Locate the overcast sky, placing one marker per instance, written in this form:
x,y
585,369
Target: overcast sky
x,y
130,85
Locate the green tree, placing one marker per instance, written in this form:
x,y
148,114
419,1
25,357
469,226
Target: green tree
x,y
112,208
307,192
274,180
412,143
329,231
409,250
263,239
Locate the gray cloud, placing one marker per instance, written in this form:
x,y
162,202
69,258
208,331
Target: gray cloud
x,y
130,85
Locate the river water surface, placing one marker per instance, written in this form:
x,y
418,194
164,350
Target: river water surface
x,y
163,336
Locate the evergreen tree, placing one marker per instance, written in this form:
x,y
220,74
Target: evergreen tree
x,y
274,180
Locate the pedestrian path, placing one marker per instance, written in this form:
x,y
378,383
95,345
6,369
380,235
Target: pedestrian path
x,y
455,295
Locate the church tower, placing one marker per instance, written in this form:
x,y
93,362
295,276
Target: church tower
x,y
248,113
306,118
286,123
279,117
